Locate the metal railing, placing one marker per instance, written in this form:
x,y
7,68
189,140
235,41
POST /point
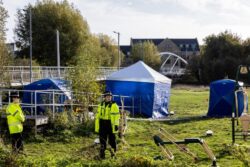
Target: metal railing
x,y
176,71
55,100
20,75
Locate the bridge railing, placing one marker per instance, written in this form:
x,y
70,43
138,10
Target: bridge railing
x,y
176,71
21,74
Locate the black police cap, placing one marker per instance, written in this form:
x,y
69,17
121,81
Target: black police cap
x,y
14,94
107,93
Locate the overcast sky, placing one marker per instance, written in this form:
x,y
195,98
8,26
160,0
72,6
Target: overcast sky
x,y
155,18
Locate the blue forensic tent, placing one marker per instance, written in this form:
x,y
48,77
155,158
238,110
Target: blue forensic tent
x,y
46,90
221,100
150,90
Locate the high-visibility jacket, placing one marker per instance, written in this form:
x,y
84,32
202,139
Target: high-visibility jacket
x,y
110,112
15,118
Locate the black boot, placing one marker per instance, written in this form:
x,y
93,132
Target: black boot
x,y
113,151
102,154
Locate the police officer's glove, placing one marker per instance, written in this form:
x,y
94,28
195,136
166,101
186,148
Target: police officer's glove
x,y
116,128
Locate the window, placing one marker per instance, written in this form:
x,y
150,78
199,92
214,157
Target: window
x,y
193,46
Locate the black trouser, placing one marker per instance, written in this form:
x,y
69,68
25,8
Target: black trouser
x,y
17,142
105,132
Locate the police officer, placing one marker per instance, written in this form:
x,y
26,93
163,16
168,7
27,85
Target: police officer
x,y
15,119
107,122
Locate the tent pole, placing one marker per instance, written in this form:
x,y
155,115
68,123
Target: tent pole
x,y
133,106
140,105
233,128
35,104
53,107
35,112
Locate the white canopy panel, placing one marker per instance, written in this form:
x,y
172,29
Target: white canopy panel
x,y
139,72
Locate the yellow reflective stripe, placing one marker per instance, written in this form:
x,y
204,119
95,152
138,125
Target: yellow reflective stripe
x,y
14,124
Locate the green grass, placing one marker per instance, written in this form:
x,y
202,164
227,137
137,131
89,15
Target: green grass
x,y
186,103
76,151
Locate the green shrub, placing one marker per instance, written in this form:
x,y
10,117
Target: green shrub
x,y
61,121
84,129
7,158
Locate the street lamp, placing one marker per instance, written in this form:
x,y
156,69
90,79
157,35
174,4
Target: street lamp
x,y
118,35
30,45
58,53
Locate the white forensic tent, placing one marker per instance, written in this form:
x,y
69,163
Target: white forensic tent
x,y
150,89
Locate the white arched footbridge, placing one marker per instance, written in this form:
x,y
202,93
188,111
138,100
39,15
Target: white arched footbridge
x,y
173,65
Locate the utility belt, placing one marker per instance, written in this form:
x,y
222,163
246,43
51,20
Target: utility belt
x,y
105,120
105,117
105,124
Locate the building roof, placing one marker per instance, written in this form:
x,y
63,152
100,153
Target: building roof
x,y
156,41
184,44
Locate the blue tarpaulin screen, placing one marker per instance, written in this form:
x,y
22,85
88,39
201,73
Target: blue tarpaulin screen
x,y
221,100
149,99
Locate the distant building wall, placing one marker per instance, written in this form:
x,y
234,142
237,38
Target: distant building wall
x,y
183,47
11,48
186,47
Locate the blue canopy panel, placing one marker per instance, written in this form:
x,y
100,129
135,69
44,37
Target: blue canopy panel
x,y
161,100
61,94
141,93
221,100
